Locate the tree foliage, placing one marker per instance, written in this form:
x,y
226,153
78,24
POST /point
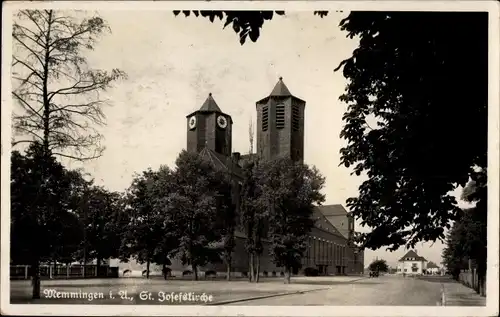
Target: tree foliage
x,y
193,206
246,24
57,93
168,241
405,79
144,231
227,208
468,237
454,255
252,219
186,213
379,266
100,214
43,220
288,192
55,220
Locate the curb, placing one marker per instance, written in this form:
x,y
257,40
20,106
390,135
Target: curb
x,y
231,301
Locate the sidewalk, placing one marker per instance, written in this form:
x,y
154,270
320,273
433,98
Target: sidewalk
x,y
456,294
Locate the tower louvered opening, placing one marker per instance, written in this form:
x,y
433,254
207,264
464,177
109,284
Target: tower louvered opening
x,y
265,118
295,118
280,116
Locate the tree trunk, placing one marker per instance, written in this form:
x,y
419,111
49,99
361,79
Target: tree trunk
x,y
250,268
46,154
481,284
84,207
228,276
85,261
97,265
164,271
257,268
35,281
54,270
147,268
195,271
287,275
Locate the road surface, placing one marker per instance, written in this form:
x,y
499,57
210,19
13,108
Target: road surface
x,y
384,290
336,290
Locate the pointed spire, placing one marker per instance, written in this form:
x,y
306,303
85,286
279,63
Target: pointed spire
x,y
280,90
210,105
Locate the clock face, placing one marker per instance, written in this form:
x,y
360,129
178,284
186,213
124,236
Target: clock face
x,y
222,122
192,122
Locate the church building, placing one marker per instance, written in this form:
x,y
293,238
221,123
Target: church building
x,y
280,132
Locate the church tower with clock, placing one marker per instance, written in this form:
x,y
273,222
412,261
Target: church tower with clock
x,y
209,128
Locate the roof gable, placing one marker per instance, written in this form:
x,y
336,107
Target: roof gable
x,y
222,162
321,222
432,265
337,215
412,255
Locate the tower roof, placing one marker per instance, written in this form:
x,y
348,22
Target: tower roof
x,y
210,105
279,90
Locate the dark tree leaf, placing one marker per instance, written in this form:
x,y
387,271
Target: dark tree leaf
x,y
254,34
236,26
321,14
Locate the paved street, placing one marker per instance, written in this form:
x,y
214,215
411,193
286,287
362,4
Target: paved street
x,y
385,290
339,290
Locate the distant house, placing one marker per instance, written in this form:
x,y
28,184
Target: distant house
x,y
432,268
412,264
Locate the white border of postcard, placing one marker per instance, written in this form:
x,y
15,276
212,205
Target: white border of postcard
x,y
491,308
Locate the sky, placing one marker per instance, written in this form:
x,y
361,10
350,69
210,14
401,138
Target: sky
x,y
173,63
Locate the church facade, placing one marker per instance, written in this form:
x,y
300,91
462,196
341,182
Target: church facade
x,y
280,132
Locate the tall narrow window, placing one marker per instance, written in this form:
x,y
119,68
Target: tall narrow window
x,y
295,118
265,118
280,116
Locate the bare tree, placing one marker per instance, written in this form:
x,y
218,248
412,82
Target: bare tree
x,y
57,94
250,135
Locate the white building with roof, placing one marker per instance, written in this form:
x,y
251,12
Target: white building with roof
x,y
412,264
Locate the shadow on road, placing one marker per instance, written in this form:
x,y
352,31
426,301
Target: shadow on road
x,y
371,282
435,279
319,282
